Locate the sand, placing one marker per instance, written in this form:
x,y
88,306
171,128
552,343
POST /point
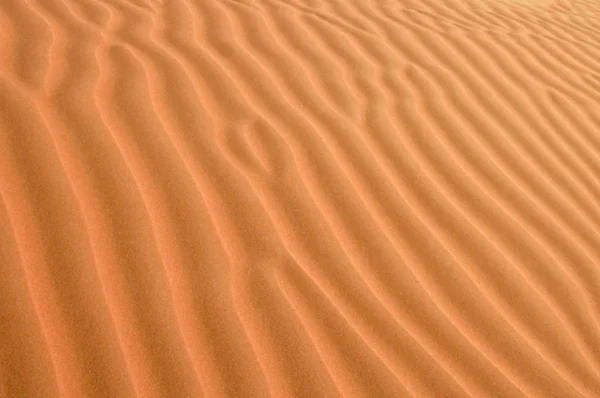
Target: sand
x,y
299,198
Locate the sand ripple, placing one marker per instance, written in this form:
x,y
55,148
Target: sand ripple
x,y
299,198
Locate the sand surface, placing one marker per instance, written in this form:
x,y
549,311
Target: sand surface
x,y
299,198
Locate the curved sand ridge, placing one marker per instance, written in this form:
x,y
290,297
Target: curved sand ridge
x,y
299,198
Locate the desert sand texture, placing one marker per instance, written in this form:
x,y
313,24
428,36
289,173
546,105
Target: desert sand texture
x,y
299,198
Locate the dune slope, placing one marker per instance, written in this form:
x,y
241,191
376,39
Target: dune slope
x,y
299,198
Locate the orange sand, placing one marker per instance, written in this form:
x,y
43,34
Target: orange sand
x,y
299,198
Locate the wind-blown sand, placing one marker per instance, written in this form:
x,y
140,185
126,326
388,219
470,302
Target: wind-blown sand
x,y
299,198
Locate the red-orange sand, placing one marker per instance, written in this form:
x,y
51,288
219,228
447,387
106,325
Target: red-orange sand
x,y
299,198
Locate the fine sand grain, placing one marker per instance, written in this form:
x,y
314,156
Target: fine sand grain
x,y
299,198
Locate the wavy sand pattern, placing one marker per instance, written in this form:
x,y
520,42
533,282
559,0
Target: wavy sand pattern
x,y
299,198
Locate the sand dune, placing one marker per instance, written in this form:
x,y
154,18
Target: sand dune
x,y
299,198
